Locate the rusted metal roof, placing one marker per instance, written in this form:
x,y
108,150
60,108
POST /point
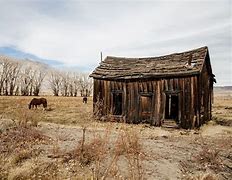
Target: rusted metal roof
x,y
177,64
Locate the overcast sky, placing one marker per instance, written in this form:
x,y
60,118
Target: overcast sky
x,y
75,32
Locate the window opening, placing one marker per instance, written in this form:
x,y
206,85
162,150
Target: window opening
x,y
117,103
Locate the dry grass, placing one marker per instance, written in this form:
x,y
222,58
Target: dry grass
x,y
107,156
61,110
222,110
129,144
87,149
209,157
88,152
17,145
68,110
213,155
19,138
203,176
71,110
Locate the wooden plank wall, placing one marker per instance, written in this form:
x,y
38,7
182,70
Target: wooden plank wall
x,y
190,93
205,92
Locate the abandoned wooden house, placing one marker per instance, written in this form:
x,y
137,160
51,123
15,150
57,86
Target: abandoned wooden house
x,y
176,87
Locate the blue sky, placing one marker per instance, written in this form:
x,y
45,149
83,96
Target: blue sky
x,y
75,32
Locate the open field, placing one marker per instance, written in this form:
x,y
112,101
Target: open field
x,y
65,142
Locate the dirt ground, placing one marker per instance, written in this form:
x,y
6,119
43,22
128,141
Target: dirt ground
x,y
65,142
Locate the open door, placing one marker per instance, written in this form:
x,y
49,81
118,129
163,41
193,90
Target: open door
x,y
172,107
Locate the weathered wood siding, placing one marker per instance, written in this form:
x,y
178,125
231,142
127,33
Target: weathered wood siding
x,y
194,98
150,89
205,94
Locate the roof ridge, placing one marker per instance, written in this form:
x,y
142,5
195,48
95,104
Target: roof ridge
x,y
150,57
175,64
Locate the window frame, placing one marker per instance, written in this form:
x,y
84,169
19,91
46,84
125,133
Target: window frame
x,y
113,92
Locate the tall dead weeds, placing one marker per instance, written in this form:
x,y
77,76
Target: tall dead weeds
x,y
107,155
210,155
129,145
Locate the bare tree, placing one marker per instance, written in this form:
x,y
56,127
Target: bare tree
x,y
32,76
73,84
39,76
70,88
4,68
55,82
9,69
27,76
86,85
65,82
13,77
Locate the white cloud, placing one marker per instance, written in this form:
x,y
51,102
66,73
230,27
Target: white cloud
x,y
75,32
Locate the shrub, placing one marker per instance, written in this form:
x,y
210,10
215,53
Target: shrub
x,y
21,156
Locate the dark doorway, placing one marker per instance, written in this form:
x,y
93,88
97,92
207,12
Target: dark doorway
x,y
171,107
117,103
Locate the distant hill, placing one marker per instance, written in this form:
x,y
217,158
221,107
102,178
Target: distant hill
x,y
13,52
20,55
225,88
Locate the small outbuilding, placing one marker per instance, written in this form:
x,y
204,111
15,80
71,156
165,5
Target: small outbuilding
x,y
173,88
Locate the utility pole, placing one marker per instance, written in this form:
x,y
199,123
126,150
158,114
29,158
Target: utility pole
x,y
101,56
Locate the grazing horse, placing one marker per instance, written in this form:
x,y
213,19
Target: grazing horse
x,y
85,99
37,101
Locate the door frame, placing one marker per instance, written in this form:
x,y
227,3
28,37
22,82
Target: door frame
x,y
146,94
172,93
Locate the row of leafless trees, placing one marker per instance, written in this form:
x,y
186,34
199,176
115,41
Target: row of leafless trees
x,y
70,83
27,78
19,77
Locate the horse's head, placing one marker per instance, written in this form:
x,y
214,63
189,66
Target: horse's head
x,y
44,102
45,105
29,106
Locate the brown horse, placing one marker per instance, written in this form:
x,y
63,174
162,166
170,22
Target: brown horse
x,y
37,101
85,99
